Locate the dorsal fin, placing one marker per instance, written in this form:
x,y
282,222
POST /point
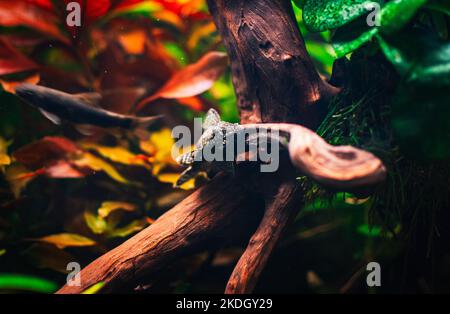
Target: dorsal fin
x,y
212,119
91,99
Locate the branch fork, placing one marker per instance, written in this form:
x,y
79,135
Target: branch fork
x,y
275,81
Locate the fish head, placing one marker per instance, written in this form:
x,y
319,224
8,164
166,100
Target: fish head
x,y
31,94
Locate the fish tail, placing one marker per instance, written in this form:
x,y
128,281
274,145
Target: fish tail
x,y
145,122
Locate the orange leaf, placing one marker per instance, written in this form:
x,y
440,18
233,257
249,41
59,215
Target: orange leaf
x,y
173,177
195,103
133,42
10,86
199,33
4,158
117,154
94,163
192,80
18,177
63,240
109,207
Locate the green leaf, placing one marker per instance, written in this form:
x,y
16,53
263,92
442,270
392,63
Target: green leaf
x,y
97,224
94,288
439,5
420,120
320,15
177,52
145,9
350,37
369,232
434,68
27,283
398,13
48,256
420,110
134,226
418,57
299,3
439,21
394,16
322,54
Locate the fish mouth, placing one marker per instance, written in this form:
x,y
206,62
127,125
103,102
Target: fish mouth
x,y
179,159
24,90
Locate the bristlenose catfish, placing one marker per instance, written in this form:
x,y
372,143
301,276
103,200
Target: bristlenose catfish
x,y
77,108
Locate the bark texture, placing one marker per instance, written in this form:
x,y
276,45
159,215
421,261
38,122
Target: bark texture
x,y
202,221
275,81
273,75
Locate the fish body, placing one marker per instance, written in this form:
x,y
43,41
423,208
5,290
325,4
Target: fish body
x,y
77,109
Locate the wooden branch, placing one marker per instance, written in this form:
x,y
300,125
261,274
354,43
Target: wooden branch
x,y
204,219
338,167
275,81
273,75
201,221
277,215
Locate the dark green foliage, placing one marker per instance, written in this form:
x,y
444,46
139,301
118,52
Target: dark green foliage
x,y
413,36
320,15
396,105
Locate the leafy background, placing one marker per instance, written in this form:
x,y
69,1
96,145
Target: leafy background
x,y
68,197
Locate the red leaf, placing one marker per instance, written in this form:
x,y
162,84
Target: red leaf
x,y
63,169
45,4
192,80
26,13
185,9
45,152
125,3
96,9
12,61
117,70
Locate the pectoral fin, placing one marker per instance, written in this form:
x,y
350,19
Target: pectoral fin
x,y
84,129
52,117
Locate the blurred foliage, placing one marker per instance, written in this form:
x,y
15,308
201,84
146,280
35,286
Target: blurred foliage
x,y
396,105
66,196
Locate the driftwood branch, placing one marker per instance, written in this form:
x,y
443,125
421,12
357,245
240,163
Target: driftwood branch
x,y
205,218
277,215
338,167
275,81
273,75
